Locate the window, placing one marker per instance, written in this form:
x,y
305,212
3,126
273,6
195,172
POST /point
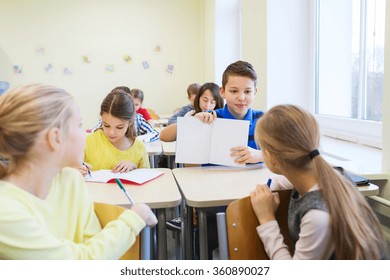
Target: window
x,y
349,68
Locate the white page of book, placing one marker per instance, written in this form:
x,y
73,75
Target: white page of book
x,y
226,135
201,143
192,141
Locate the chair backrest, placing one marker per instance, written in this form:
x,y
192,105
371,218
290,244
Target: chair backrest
x,y
241,222
106,213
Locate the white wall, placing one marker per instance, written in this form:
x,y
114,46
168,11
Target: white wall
x,y
105,30
254,45
386,99
290,65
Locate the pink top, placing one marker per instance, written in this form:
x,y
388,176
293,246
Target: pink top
x,y
144,113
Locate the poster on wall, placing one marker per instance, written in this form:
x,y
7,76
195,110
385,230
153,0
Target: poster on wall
x,y
85,59
67,71
109,68
169,69
145,65
127,58
157,49
18,69
49,68
3,86
40,49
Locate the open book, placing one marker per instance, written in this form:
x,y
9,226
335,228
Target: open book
x,y
136,176
201,143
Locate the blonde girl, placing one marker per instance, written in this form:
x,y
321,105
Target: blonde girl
x,y
328,217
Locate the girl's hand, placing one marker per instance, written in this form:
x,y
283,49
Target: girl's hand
x,y
145,213
206,117
84,168
264,203
190,113
124,166
246,155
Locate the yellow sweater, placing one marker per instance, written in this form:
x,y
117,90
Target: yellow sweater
x,y
63,226
101,154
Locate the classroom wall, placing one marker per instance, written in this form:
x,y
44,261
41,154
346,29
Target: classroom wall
x,y
254,45
386,101
290,64
37,34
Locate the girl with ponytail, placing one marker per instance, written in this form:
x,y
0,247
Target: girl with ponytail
x,y
328,218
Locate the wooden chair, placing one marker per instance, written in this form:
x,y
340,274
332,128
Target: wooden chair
x,y
241,222
106,213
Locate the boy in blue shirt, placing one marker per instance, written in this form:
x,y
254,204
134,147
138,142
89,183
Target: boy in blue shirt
x,y
239,89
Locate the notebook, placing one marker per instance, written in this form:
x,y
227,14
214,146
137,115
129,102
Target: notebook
x,y
136,176
201,143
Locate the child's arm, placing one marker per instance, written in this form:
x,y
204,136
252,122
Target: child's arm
x,y
247,155
168,134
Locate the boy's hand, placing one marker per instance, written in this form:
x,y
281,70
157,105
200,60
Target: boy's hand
x,y
124,166
246,155
206,117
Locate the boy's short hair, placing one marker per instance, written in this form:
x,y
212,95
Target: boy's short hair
x,y
239,68
137,93
193,89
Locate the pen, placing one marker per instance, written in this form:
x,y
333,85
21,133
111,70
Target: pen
x,y
124,190
89,172
269,182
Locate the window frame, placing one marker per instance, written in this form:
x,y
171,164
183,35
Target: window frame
x,y
359,131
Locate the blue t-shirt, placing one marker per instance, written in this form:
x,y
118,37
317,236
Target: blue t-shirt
x,y
252,116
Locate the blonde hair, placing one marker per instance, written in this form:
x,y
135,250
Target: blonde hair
x,y
25,112
290,133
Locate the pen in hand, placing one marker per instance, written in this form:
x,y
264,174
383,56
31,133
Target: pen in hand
x,y
124,190
89,172
269,182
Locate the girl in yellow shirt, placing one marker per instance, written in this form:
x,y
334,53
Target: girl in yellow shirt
x,y
114,146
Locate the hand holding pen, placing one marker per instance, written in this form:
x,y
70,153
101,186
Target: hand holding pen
x,y
141,209
85,169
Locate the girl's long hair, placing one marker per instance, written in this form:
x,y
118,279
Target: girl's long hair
x,y
290,134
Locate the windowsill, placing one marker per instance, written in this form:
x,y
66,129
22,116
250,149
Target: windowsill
x,y
357,158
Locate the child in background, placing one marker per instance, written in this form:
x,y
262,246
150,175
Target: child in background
x,y
138,99
114,146
46,212
191,93
207,98
328,217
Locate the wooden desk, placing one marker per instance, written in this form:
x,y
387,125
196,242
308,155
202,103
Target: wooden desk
x,y
169,149
160,193
218,186
213,186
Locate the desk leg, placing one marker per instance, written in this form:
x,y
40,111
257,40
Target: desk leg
x,y
151,160
202,223
162,235
145,244
187,232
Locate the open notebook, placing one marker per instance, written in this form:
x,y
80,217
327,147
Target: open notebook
x,y
200,143
136,176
